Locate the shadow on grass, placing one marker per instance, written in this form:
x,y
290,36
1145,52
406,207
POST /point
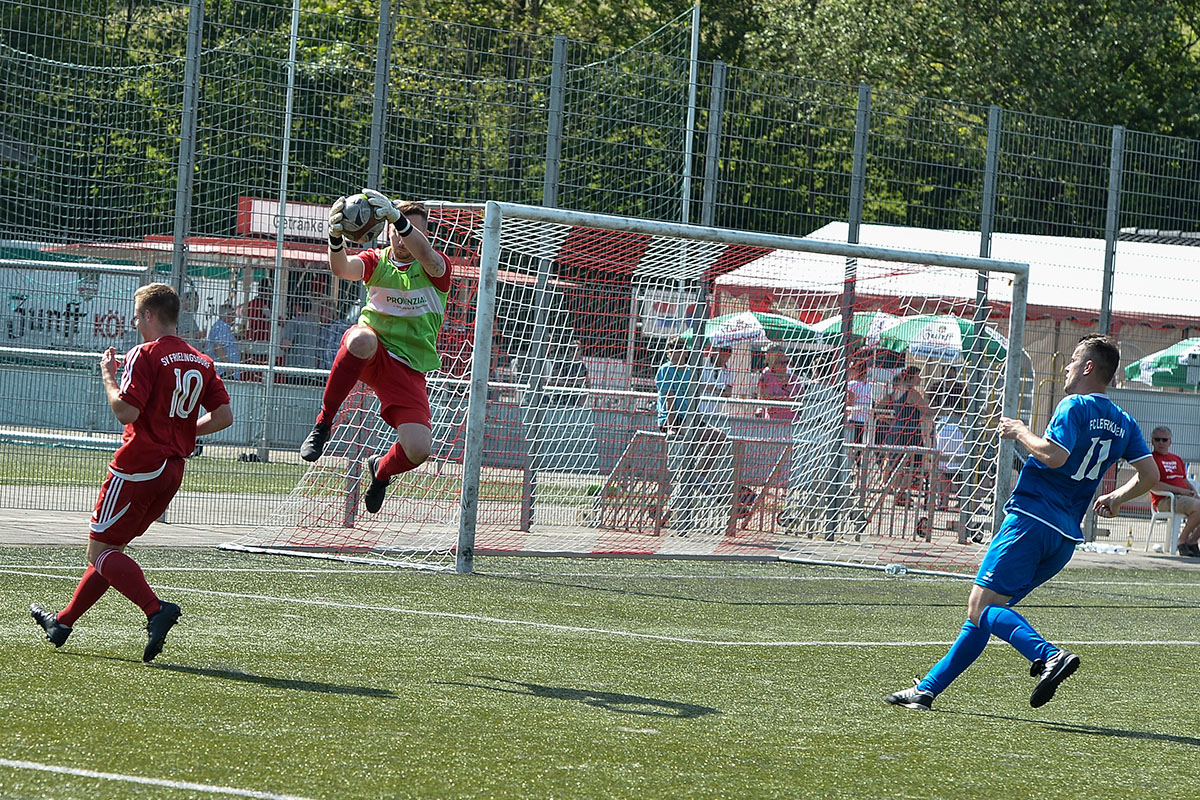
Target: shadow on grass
x,y
276,683
249,677
1090,730
611,701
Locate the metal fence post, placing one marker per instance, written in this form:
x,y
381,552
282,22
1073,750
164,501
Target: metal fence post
x,y
383,60
187,145
1112,222
712,151
987,221
689,127
558,91
280,282
858,182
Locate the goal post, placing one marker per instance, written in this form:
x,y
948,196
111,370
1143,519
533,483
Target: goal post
x,y
563,424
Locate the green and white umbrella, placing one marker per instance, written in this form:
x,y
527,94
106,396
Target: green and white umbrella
x,y
757,327
864,324
1176,367
943,337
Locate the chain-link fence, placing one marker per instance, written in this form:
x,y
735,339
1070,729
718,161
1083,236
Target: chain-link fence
x,y
202,143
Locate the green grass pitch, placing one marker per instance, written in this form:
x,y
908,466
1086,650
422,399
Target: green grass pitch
x,y
584,678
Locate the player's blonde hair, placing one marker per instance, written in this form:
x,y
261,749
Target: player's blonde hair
x,y
160,300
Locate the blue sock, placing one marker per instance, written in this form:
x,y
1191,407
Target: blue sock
x,y
1016,630
966,648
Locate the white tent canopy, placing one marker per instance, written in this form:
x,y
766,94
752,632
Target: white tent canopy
x,y
1152,280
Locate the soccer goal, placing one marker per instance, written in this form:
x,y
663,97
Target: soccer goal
x,y
617,386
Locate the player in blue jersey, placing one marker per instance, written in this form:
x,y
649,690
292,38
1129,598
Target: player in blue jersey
x,y
1086,436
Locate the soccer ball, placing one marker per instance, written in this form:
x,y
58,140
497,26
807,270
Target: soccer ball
x,y
359,223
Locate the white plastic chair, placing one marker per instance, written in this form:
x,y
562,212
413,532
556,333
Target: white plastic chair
x,y
1166,515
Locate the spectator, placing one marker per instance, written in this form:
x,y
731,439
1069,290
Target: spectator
x,y
910,428
858,403
189,329
716,380
568,372
333,325
301,342
777,382
258,313
671,381
221,344
948,394
1172,479
952,457
256,324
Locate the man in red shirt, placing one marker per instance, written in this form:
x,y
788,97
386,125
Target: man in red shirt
x,y
1172,479
157,400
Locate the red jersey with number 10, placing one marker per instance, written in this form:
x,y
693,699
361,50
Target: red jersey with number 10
x,y
168,381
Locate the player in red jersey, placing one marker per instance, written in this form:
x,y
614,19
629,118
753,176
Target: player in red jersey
x,y
164,384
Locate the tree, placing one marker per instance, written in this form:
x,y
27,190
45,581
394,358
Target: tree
x,y
1127,62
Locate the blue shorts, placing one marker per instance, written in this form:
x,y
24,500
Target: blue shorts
x,y
1023,555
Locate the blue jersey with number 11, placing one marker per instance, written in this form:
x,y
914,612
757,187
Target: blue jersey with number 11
x,y
1097,434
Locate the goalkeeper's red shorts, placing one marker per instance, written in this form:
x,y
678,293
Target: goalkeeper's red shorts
x,y
129,503
400,389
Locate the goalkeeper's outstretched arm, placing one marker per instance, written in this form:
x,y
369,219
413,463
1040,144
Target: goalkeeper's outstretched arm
x,y
410,222
350,268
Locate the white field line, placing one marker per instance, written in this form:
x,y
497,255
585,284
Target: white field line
x,y
266,571
383,570
113,776
419,612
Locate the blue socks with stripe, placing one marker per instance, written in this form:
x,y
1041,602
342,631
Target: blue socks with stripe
x,y
1010,626
999,620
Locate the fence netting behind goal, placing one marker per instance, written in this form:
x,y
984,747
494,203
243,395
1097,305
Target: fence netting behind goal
x,y
659,396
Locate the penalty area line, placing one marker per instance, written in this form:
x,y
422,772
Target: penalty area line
x,y
163,782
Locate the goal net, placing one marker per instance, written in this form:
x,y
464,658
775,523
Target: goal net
x,y
648,389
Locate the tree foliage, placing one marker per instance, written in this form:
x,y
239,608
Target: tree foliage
x,y
1112,62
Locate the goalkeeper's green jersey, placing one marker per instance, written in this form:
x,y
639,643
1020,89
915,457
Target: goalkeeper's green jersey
x,y
405,307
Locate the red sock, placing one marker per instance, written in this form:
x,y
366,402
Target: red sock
x,y
393,463
343,377
126,577
91,588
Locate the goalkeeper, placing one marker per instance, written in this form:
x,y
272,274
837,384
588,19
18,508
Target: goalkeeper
x,y
395,341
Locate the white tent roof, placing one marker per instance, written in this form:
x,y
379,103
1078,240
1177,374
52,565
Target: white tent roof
x,y
1152,281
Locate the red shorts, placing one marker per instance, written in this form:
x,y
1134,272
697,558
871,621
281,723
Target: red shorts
x,y
400,388
129,503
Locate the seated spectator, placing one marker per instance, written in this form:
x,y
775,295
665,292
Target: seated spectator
x,y
952,458
221,344
948,394
257,323
300,346
256,328
910,428
188,328
777,382
568,371
671,380
1172,479
333,327
858,403
716,380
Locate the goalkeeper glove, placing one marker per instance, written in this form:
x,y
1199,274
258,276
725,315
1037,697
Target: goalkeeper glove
x,y
336,242
385,209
